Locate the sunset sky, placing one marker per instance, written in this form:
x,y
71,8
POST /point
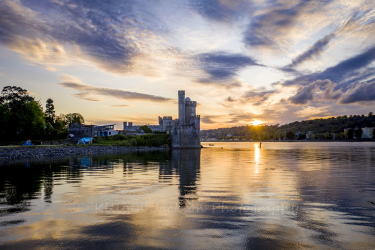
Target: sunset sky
x,y
270,61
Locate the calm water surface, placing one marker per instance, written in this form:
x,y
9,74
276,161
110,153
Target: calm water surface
x,y
230,195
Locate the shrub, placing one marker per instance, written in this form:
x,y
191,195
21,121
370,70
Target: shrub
x,y
135,140
118,137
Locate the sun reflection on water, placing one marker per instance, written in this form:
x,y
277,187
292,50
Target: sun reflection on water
x,y
257,158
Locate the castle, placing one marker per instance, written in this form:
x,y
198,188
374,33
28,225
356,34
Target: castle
x,y
184,131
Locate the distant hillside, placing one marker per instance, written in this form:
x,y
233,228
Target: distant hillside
x,y
332,125
321,128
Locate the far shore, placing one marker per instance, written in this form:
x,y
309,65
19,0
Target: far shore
x,y
359,140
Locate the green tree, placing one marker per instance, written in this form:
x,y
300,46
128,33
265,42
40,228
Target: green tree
x,y
358,133
22,116
327,135
301,137
350,134
50,111
145,129
289,135
61,122
5,119
341,135
75,118
33,122
60,130
13,98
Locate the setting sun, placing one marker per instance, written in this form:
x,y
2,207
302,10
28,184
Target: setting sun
x,y
256,122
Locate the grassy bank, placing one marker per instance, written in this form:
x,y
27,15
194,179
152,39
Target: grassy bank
x,y
147,140
150,140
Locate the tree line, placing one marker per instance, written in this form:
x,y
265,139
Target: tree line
x,y
22,117
328,128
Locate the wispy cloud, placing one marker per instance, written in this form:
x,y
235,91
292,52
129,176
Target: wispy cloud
x,y
209,119
273,24
315,50
119,106
362,93
222,11
82,95
257,97
344,75
108,33
87,91
221,67
323,89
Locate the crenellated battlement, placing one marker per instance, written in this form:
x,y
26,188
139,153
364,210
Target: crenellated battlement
x,y
185,131
191,103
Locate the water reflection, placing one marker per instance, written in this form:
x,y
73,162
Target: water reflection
x,y
283,195
257,158
187,164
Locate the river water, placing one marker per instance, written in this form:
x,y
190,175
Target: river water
x,y
230,195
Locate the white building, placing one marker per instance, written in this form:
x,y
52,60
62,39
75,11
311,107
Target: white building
x,y
367,132
107,130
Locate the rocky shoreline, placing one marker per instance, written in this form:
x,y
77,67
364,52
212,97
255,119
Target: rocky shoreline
x,y
43,152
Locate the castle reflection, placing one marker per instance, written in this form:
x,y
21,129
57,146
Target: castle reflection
x,y
181,164
187,164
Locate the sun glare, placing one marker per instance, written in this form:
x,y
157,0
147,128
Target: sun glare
x,y
256,122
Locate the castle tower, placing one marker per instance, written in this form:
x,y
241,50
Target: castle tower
x,y
160,120
181,106
185,130
197,122
190,111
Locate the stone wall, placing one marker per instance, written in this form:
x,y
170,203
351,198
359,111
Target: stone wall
x,y
186,136
39,152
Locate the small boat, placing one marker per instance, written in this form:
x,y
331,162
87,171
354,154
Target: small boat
x,y
211,144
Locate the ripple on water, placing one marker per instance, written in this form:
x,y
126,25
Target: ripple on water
x,y
231,195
